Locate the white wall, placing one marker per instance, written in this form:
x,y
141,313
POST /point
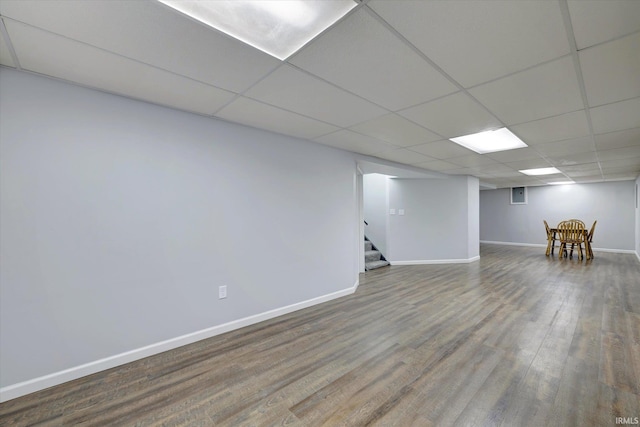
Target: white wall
x,y
473,206
437,222
376,207
610,203
120,219
637,202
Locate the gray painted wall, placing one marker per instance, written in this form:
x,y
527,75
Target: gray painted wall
x,y
473,230
120,219
610,203
637,202
436,224
376,207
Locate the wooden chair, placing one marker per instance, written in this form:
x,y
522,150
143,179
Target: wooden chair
x,y
551,239
580,221
590,239
572,233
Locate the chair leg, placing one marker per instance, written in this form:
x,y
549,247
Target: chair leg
x,y
553,245
548,247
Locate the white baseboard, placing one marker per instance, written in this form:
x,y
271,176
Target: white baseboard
x,y
37,384
436,261
532,245
615,251
537,245
638,255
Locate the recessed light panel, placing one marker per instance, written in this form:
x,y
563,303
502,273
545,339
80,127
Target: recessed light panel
x,y
277,27
562,183
490,141
540,171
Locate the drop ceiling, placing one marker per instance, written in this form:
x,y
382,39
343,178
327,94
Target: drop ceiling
x,y
392,79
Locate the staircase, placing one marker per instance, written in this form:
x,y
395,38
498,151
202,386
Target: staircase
x,y
372,257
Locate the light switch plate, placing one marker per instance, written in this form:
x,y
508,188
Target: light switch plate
x,y
392,211
400,211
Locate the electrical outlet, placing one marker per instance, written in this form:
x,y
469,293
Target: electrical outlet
x,y
222,292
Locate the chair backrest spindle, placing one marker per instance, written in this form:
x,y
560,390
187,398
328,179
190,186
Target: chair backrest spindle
x,y
571,231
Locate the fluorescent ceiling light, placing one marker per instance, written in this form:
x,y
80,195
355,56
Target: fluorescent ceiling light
x,y
540,171
561,183
490,141
277,27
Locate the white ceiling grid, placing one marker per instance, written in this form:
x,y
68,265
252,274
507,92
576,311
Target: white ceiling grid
x,y
393,79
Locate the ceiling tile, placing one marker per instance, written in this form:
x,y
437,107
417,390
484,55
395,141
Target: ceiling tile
x,y
437,165
460,171
620,139
619,153
352,141
611,71
112,73
150,32
631,162
566,147
528,181
506,172
597,21
482,175
588,178
514,155
619,176
475,42
556,128
451,116
5,56
580,168
299,92
263,116
396,130
612,117
402,155
543,91
573,159
441,150
626,171
473,160
362,56
529,164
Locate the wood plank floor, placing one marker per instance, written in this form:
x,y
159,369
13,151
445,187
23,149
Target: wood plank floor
x,y
516,339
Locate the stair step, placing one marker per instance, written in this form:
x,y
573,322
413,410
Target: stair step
x,y
371,256
375,264
368,245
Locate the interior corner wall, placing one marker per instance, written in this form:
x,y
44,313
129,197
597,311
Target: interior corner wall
x,y
120,219
473,206
637,202
435,224
610,203
376,208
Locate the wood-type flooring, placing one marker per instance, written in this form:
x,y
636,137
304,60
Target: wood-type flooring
x,y
515,339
